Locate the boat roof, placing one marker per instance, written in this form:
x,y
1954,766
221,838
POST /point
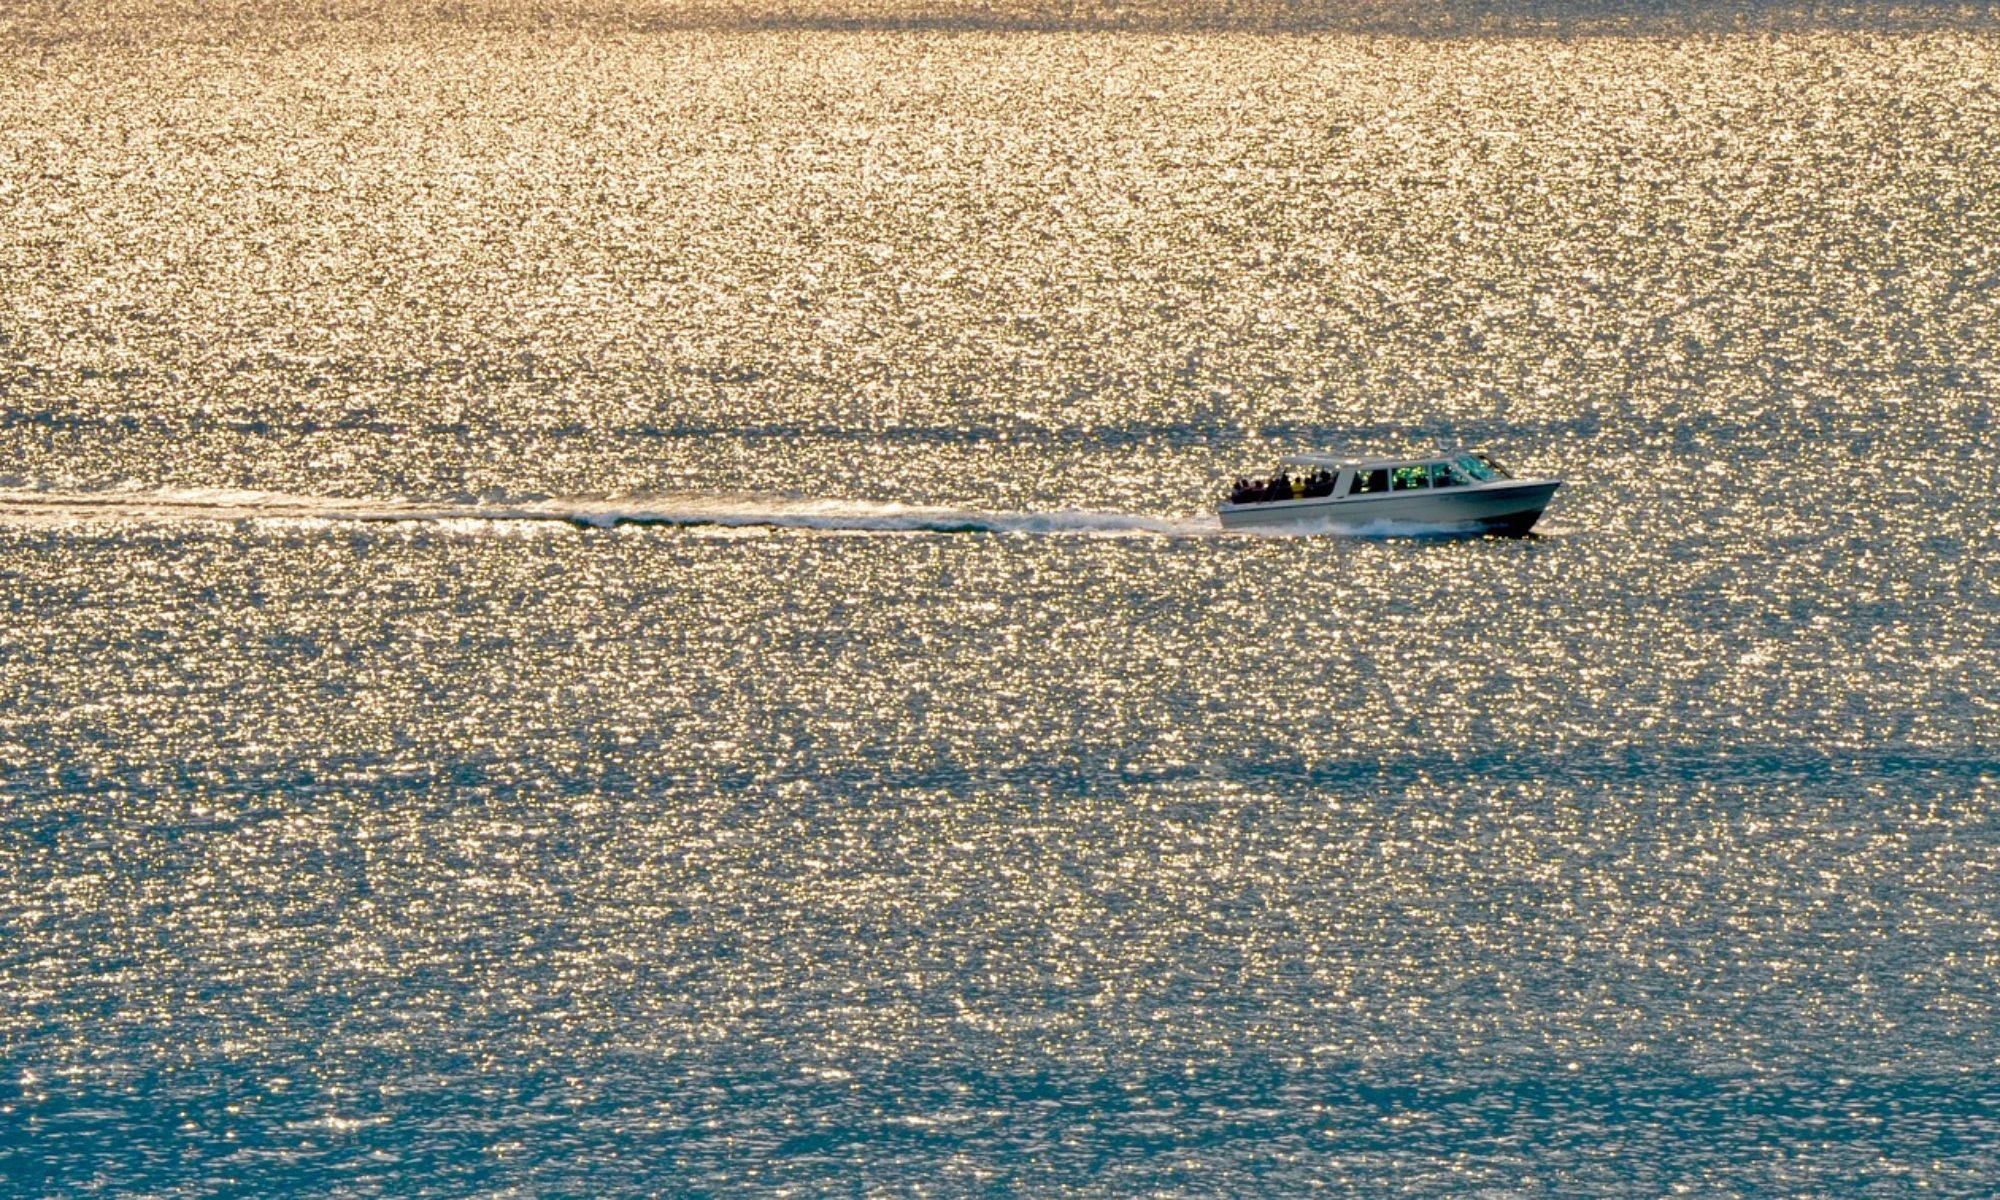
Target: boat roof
x,y
1337,461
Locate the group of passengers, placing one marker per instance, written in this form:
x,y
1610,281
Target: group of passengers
x,y
1283,487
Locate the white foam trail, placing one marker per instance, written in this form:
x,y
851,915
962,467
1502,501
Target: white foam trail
x,y
130,503
842,516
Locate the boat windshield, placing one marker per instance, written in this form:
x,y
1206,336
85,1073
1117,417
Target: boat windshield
x,y
1480,467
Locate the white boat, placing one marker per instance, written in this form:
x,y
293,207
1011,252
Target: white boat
x,y
1449,491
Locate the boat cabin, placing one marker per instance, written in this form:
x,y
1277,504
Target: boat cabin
x,y
1325,476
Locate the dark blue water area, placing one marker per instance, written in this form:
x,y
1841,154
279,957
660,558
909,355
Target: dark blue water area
x,y
746,1122
429,1081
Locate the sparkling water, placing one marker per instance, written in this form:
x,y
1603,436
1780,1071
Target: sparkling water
x,y
628,603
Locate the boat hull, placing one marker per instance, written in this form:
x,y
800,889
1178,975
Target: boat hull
x,y
1507,509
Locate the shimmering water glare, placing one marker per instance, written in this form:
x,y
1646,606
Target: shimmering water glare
x,y
935,801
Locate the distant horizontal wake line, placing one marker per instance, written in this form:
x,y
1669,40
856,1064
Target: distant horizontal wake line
x,y
831,516
137,505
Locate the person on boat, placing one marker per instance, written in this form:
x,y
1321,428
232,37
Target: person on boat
x,y
1281,486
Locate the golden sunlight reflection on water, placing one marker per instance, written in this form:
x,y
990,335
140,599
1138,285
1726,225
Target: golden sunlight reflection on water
x,y
964,808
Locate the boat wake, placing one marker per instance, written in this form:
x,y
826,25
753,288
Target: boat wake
x,y
714,514
710,512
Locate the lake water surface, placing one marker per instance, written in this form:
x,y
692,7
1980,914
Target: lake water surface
x,y
619,608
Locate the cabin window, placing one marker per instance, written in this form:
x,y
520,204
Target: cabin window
x,y
1441,476
1366,481
1411,477
1474,469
